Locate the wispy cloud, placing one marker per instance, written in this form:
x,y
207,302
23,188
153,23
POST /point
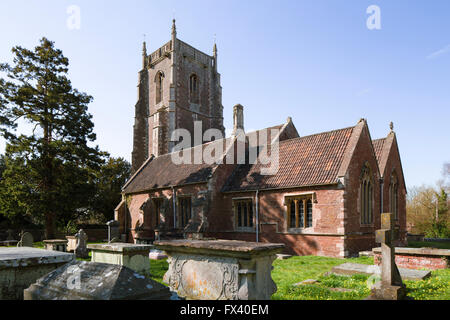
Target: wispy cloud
x,y
439,53
364,92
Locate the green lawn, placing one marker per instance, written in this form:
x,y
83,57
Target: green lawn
x,y
288,272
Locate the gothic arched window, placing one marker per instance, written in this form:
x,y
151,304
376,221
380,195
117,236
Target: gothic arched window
x,y
193,89
393,195
366,195
159,87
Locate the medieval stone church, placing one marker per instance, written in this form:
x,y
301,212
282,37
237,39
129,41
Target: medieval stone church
x,y
325,198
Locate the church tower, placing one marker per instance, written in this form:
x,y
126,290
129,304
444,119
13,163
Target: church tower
x,y
178,85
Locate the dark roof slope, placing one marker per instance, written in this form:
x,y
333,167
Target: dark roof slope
x,y
304,161
378,147
163,172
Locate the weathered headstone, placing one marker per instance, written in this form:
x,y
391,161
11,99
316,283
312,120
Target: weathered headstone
x,y
26,240
81,250
391,286
113,231
82,280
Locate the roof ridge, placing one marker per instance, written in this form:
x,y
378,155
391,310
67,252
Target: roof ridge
x,y
317,134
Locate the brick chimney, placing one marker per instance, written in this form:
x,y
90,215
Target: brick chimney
x,y
238,118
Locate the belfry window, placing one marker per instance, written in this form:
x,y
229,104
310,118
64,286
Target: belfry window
x,y
393,195
366,195
300,212
193,89
159,87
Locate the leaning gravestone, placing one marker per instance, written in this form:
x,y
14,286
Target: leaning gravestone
x,y
81,250
82,280
26,240
113,231
391,286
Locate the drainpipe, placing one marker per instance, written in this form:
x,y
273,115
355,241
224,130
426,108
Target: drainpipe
x,y
174,208
257,215
381,198
126,220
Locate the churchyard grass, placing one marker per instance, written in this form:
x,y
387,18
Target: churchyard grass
x,y
288,272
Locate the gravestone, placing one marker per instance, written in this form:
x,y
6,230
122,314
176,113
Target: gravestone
x,y
391,286
26,240
83,280
113,231
81,250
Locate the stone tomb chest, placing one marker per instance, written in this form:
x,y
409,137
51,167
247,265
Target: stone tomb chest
x,y
133,256
82,280
56,245
21,266
220,269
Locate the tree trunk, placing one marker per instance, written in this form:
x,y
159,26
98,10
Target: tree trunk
x,y
50,226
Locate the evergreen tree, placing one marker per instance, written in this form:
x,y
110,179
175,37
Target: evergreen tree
x,y
108,181
47,172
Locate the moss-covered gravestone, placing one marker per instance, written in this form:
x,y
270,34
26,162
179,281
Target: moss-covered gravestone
x,y
82,280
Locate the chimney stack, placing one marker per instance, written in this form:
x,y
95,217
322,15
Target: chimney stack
x,y
238,118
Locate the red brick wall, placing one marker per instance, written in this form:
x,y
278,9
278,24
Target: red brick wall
x,y
361,237
394,163
416,261
324,238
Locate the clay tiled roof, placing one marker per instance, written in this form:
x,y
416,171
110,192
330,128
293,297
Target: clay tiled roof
x,y
378,147
305,161
162,172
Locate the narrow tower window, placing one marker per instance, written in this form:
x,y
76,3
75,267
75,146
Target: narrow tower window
x,y
159,87
193,89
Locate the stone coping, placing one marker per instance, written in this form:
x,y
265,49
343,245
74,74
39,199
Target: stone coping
x,y
26,256
220,247
119,247
55,241
418,251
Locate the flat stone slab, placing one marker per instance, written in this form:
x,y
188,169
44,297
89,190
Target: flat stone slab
x,y
418,251
355,268
82,280
220,247
120,247
26,256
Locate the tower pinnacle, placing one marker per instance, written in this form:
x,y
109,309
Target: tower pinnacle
x,y
174,28
144,55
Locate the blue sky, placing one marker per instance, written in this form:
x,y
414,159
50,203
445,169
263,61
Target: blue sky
x,y
314,60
